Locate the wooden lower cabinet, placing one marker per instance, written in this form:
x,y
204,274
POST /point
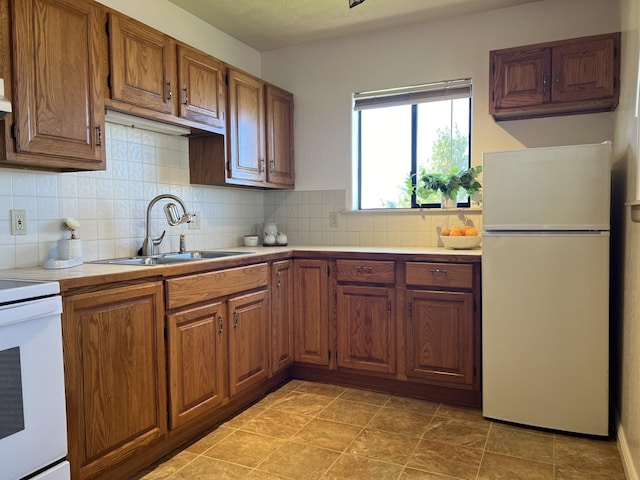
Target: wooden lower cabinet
x,y
440,337
115,375
197,362
311,306
248,327
366,328
282,341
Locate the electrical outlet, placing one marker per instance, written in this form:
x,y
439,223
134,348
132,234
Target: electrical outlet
x,y
333,219
18,222
194,224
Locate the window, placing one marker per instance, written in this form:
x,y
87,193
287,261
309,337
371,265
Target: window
x,y
407,132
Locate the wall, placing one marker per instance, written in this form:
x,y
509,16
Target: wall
x,y
625,258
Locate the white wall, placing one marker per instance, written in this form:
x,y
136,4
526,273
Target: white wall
x,y
323,76
626,240
177,23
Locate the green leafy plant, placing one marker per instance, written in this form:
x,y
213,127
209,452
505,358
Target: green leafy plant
x,y
449,184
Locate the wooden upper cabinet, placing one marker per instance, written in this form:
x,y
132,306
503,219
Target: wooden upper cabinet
x,y
558,78
246,129
202,93
55,87
142,65
279,136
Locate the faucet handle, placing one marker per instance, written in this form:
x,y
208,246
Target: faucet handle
x,y
158,241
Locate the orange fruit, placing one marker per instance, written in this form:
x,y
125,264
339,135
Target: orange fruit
x,y
465,228
445,232
456,233
456,229
471,232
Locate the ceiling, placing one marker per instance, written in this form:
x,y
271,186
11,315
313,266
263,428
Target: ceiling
x,y
269,24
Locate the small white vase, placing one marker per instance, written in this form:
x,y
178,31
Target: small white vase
x,y
447,202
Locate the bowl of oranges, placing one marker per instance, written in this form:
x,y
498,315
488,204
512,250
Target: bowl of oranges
x,y
462,238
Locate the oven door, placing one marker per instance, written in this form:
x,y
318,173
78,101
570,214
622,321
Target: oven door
x,y
33,430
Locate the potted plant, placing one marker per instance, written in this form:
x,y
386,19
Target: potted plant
x,y
448,184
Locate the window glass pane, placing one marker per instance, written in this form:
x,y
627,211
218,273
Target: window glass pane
x,y
385,157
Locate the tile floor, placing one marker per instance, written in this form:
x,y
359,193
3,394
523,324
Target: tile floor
x,y
309,431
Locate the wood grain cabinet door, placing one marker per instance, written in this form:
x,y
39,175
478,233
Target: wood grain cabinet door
x,y
202,89
520,78
439,337
311,303
142,65
281,315
584,71
59,105
279,136
197,366
366,328
115,375
246,129
248,326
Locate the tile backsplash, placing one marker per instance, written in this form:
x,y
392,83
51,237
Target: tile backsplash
x,y
111,208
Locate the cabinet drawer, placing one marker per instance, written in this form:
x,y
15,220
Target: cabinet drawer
x,y
439,274
366,271
206,286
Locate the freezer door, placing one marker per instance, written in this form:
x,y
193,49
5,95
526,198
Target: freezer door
x,y
545,330
559,188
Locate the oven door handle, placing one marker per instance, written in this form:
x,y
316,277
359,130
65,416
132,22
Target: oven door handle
x,y
30,310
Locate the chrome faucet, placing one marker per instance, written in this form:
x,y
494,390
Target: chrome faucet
x,y
173,219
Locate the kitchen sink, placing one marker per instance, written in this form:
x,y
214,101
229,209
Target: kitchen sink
x,y
170,258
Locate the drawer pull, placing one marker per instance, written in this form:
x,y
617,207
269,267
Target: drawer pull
x,y
438,270
364,269
220,325
236,323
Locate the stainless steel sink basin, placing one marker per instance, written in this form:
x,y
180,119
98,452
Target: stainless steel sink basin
x,y
170,258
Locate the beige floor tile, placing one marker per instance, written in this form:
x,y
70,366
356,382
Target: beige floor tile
x,y
413,405
445,459
384,446
353,413
321,389
291,385
302,403
354,467
204,468
243,417
272,398
260,475
298,461
457,432
207,441
597,456
248,449
327,434
413,474
568,473
365,396
400,421
502,467
462,413
166,467
276,424
520,443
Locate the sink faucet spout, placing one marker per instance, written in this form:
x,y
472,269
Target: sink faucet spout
x,y
149,244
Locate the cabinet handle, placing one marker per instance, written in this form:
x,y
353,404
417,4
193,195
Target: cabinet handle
x,y
220,325
169,91
236,324
261,166
99,136
272,165
389,308
438,270
364,269
278,284
185,97
557,80
544,83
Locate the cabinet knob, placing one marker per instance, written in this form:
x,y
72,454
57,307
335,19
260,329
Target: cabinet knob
x,y
544,82
185,96
169,91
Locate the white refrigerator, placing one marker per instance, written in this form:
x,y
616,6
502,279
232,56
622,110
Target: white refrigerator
x,y
545,287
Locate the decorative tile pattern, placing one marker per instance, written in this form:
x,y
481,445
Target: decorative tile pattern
x,y
311,431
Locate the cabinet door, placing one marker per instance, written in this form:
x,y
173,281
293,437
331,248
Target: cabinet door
x,y
366,328
311,305
440,337
114,374
248,326
59,107
584,71
197,364
246,129
281,315
279,137
520,78
142,65
202,87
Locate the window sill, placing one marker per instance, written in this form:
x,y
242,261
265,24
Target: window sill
x,y
417,211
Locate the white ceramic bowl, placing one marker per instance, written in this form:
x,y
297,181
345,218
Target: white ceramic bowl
x,y
251,240
461,243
